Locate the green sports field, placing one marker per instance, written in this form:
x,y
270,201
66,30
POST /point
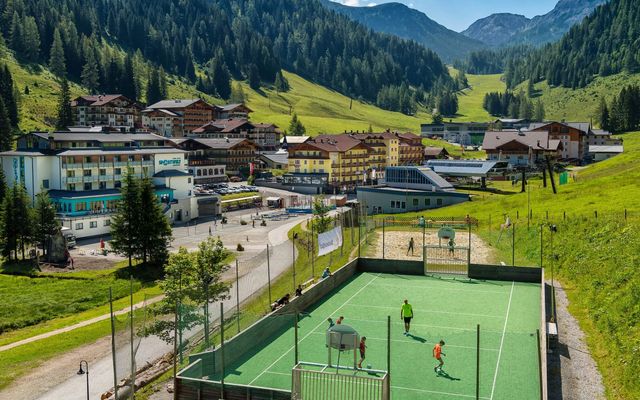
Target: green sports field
x,y
448,309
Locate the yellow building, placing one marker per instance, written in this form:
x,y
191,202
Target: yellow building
x,y
344,159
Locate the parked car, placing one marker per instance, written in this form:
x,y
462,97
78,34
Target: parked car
x,y
235,179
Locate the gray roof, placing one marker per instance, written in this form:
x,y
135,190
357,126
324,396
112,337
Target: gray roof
x,y
162,110
174,103
22,153
99,137
170,173
537,140
219,143
278,158
600,132
463,167
97,152
606,149
582,126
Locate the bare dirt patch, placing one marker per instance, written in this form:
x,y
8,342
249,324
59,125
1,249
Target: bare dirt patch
x,y
396,245
82,263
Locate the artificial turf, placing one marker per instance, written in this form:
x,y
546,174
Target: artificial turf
x,y
444,308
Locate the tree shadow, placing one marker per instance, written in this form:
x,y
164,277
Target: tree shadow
x,y
141,272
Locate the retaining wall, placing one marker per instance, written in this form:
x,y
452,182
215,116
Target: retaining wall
x,y
505,273
402,267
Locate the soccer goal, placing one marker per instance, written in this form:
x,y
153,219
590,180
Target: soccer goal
x,y
446,260
313,381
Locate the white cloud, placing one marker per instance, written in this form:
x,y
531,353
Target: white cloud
x,y
350,3
372,4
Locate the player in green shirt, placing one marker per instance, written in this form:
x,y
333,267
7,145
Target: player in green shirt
x,y
406,313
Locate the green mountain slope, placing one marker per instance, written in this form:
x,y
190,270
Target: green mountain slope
x,y
597,258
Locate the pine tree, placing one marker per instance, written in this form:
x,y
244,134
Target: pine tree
x,y
602,114
281,83
8,94
16,37
295,126
162,84
8,227
57,63
65,112
3,187
237,93
22,217
90,73
124,223
128,79
154,232
46,223
31,39
153,87
221,79
539,113
253,75
6,130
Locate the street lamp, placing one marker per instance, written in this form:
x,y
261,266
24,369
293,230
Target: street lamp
x,y
295,236
85,372
553,229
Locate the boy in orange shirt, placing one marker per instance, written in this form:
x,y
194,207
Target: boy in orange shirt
x,y
437,354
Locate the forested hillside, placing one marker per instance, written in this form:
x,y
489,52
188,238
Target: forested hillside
x,y
97,43
605,43
409,23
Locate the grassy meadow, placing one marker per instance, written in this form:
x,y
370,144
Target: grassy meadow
x,y
470,100
595,257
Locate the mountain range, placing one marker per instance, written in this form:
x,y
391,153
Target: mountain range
x,y
512,29
399,20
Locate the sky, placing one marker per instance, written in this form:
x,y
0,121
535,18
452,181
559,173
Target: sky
x,y
459,14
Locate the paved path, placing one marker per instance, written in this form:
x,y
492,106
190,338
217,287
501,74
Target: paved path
x,y
59,380
79,324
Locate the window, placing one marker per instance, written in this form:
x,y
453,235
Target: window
x,y
93,224
188,180
393,204
87,186
415,202
439,202
103,172
86,172
71,174
116,158
79,226
103,159
71,187
199,172
427,202
404,205
103,185
87,159
45,184
106,222
117,171
117,184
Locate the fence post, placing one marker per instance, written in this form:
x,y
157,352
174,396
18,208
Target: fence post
x,y
478,362
221,350
469,247
595,212
237,295
513,246
383,237
625,214
269,275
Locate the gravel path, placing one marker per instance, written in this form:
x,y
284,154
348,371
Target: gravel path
x,y
573,374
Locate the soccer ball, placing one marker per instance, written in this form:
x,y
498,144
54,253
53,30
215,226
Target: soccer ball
x,y
368,366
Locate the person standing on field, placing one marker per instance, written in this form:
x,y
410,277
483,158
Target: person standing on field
x,y
406,313
410,249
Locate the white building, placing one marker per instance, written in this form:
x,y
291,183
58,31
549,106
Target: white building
x,y
83,173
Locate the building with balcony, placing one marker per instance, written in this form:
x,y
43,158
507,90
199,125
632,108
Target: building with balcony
x,y
183,115
521,148
233,156
83,174
114,110
343,158
266,136
464,133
